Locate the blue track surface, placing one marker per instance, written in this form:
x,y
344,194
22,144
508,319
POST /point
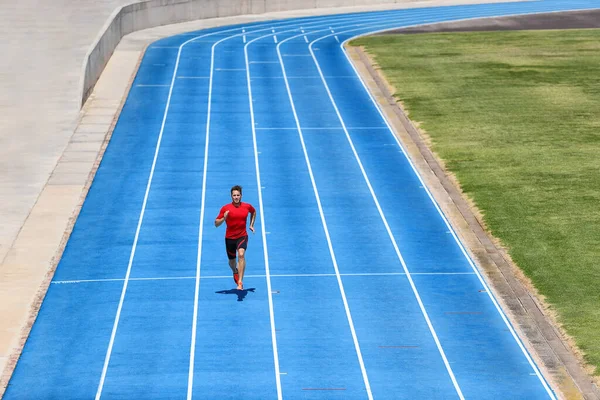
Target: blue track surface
x,y
356,287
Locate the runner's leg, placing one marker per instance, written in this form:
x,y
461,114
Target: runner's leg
x,y
230,246
232,265
241,266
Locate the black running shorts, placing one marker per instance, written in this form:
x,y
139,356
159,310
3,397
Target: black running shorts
x,y
233,244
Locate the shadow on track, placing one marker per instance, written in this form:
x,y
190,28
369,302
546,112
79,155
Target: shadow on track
x,y
241,294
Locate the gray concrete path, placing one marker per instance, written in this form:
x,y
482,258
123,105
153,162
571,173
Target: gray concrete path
x,y
42,51
49,148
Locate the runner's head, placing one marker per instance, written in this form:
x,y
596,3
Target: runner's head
x,y
236,194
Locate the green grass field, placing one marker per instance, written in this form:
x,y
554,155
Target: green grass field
x,y
516,117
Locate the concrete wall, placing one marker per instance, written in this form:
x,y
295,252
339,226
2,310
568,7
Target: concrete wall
x,y
149,14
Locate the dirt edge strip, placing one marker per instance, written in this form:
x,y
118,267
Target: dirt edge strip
x,y
6,375
541,335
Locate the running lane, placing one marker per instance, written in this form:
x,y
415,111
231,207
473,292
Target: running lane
x,y
356,287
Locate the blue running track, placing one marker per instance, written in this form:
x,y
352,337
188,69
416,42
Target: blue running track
x,y
356,286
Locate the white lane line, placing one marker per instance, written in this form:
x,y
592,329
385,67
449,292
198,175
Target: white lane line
x,y
163,278
263,227
440,212
172,278
325,128
201,227
193,77
324,222
274,36
387,227
244,36
305,38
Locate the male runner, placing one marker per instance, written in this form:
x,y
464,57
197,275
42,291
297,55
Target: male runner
x,y
235,215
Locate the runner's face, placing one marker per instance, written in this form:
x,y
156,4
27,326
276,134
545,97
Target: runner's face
x,y
236,196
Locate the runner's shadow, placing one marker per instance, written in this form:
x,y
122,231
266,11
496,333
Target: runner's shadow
x,y
241,294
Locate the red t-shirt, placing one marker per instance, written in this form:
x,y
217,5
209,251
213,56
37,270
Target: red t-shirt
x,y
236,219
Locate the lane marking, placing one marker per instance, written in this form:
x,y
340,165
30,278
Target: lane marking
x,y
201,227
463,312
387,227
320,128
270,291
324,223
166,278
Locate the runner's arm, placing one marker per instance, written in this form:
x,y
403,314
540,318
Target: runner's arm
x,y
252,219
221,218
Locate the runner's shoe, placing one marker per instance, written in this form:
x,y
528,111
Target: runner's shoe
x,y
236,277
240,286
